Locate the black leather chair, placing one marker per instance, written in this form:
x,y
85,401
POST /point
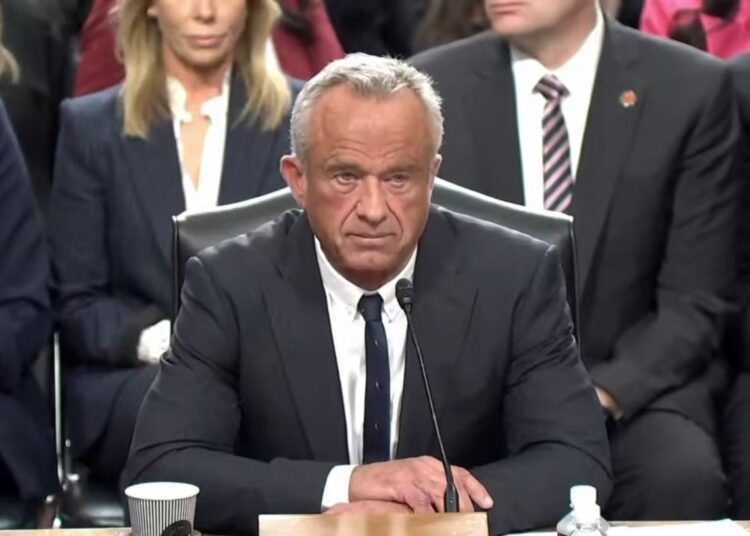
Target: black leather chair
x,y
17,514
85,501
552,227
194,231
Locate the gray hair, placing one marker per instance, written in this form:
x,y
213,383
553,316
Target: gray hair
x,y
368,76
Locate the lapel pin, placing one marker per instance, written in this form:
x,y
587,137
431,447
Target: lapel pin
x,y
628,99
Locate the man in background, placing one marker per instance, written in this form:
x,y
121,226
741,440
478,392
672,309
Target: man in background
x,y
35,35
560,108
377,27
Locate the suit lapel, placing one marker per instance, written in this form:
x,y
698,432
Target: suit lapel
x,y
157,178
491,102
157,175
299,317
615,107
247,152
442,310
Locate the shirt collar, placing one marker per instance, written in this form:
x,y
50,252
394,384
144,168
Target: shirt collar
x,y
213,108
345,293
576,74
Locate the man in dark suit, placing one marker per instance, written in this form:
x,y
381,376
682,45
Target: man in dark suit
x,y
377,27
627,12
736,437
27,452
35,36
630,13
290,387
558,107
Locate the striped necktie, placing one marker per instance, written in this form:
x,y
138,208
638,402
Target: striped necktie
x,y
558,175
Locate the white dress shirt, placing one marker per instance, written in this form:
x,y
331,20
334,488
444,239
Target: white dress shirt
x,y
577,75
206,195
154,340
348,330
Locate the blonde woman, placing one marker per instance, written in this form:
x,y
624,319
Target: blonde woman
x,y
200,120
27,456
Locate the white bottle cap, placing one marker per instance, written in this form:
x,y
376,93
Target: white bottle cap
x,y
587,514
582,495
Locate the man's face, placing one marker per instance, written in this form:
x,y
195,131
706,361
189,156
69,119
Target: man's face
x,y
519,18
200,34
368,181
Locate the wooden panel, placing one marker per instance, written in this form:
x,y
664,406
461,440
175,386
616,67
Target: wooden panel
x,y
376,525
341,526
121,531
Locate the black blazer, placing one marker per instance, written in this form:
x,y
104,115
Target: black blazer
x,y
377,27
248,406
630,13
111,229
740,335
26,442
34,34
654,203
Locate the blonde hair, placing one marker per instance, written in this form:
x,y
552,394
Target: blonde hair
x,y
8,65
144,94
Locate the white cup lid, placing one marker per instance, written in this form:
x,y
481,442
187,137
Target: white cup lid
x,y
161,491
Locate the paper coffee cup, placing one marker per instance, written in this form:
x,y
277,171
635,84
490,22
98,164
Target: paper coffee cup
x,y
154,506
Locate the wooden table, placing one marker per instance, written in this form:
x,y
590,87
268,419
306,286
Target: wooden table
x,y
374,525
398,525
121,531
339,526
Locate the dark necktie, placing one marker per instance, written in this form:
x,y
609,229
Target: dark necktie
x,y
377,426
558,175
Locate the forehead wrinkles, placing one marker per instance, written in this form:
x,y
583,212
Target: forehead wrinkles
x,y
370,126
375,156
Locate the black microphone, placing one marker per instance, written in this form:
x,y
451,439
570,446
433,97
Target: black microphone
x,y
405,297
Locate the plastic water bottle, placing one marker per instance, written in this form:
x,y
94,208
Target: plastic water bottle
x,y
587,521
580,496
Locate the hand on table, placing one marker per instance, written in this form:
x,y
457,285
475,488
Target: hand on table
x,y
418,483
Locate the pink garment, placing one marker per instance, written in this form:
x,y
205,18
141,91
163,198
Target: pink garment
x,y
724,40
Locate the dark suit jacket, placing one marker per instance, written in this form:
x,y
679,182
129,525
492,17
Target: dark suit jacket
x,y
630,13
111,231
376,27
248,405
26,441
653,205
33,33
75,13
740,335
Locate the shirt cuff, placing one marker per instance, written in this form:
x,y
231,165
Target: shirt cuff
x,y
336,490
154,341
